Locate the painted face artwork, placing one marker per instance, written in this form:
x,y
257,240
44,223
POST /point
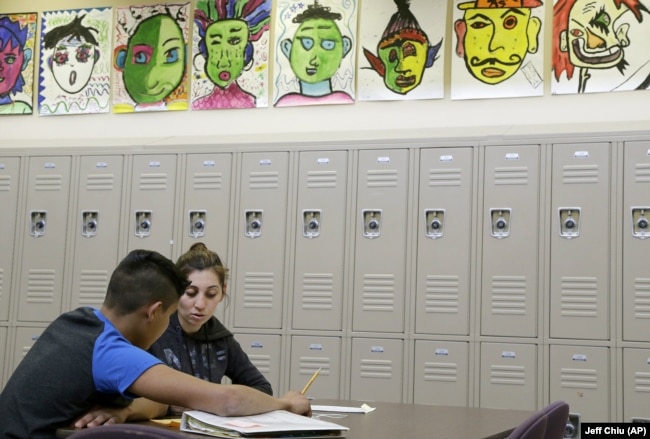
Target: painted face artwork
x,y
317,50
225,41
404,57
11,66
155,60
593,39
72,62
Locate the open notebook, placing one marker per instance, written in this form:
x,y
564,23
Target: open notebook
x,y
278,423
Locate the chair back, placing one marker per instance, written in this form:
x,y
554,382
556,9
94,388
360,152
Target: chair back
x,y
557,414
121,431
533,427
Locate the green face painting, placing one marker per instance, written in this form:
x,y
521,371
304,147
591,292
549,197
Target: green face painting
x,y
317,50
405,60
155,60
225,41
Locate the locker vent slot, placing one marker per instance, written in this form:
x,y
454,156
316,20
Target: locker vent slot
x,y
578,378
100,182
642,382
92,287
40,286
378,292
442,372
511,176
445,177
580,174
376,369
642,298
321,179
153,182
5,183
309,365
509,375
579,297
2,277
262,362
258,290
317,291
382,178
508,295
442,294
642,173
48,183
207,180
264,180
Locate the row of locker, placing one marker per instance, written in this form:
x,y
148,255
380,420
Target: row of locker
x,y
508,374
502,240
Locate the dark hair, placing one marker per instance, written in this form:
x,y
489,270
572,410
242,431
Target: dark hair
x,y
316,11
141,278
73,29
199,258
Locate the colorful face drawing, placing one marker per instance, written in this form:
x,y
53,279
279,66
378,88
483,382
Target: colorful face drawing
x,y
226,42
13,58
404,59
154,62
494,41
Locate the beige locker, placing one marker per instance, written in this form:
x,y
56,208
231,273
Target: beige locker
x,y
381,241
264,352
312,353
377,369
262,219
509,377
636,384
580,375
636,242
206,207
44,244
580,241
441,373
320,241
96,228
510,245
24,339
9,185
444,241
3,363
152,209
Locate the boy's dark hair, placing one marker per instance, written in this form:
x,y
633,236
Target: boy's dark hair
x,y
141,278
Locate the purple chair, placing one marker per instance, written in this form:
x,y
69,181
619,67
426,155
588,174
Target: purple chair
x,y
534,427
557,414
120,431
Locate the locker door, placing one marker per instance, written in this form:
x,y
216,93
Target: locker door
x,y
311,353
508,376
264,352
152,210
444,239
3,363
25,339
377,369
441,373
43,256
97,227
580,241
580,376
636,241
509,279
636,376
380,253
9,181
261,240
322,201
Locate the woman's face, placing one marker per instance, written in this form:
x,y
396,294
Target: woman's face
x,y
200,300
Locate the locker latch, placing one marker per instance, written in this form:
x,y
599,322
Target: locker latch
x,y
89,223
143,223
434,223
311,223
197,223
641,222
500,218
253,223
38,220
569,222
371,223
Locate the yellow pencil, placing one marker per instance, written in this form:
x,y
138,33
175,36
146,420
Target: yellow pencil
x,y
311,380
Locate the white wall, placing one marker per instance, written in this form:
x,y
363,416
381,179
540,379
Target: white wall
x,y
622,111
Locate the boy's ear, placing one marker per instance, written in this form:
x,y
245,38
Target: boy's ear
x,y
153,309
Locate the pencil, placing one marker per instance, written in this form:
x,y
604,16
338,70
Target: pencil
x,y
311,380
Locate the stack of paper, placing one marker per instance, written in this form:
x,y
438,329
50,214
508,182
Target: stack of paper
x,y
278,423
